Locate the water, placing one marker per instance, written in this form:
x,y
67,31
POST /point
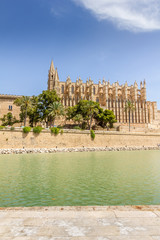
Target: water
x,y
71,179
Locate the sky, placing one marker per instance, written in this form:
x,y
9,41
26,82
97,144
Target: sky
x,y
118,40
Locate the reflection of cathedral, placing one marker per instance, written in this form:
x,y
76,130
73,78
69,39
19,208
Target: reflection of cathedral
x,y
109,96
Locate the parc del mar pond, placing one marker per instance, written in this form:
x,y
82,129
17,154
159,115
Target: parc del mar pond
x,y
80,179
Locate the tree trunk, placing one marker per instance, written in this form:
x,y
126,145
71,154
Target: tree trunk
x,y
129,120
25,117
53,122
90,123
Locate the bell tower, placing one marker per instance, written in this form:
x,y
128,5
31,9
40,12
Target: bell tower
x,y
53,79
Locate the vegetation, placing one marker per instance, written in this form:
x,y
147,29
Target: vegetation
x,y
1,127
45,100
61,131
24,103
8,119
12,128
77,128
105,118
47,107
37,129
55,130
129,108
92,134
26,129
86,111
55,110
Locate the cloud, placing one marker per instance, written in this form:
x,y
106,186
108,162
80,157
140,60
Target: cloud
x,y
133,15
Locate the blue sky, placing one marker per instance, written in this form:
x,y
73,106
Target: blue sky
x,y
114,39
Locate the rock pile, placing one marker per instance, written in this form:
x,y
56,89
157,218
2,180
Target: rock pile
x,y
81,149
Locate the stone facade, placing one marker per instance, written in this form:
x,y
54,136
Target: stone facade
x,y
6,105
110,96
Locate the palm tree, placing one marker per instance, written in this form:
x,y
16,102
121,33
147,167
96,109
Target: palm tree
x,y
129,108
24,102
55,109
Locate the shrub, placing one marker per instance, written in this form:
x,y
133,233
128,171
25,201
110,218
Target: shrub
x,y
61,131
55,130
37,129
26,129
84,125
1,127
92,134
77,128
12,128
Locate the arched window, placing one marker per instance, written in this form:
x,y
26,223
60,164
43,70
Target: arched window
x,y
11,107
62,89
94,90
72,89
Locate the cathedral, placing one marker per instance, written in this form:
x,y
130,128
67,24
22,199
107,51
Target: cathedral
x,y
109,96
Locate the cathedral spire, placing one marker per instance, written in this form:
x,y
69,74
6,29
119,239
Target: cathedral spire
x,y
52,69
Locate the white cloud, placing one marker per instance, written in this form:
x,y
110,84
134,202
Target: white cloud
x,y
133,15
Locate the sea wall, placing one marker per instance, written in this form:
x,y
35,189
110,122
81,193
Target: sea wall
x,y
75,139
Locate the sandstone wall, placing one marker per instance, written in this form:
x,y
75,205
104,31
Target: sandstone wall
x,y
17,139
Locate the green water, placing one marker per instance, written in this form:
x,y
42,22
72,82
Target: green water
x,y
67,179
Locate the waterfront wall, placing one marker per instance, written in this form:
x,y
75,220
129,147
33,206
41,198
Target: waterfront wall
x,y
72,139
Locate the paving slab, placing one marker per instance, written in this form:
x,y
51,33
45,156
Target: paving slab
x,y
80,223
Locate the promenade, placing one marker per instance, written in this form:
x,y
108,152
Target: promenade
x,y
80,223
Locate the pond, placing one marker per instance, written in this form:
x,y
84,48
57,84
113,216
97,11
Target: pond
x,y
80,179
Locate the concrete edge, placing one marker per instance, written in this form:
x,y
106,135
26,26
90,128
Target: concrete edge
x,y
85,208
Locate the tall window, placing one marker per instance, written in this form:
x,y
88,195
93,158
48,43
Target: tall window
x,y
62,88
94,90
10,107
97,100
83,89
72,89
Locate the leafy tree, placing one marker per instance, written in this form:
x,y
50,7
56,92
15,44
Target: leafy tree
x,y
24,103
78,118
55,110
105,117
45,99
8,119
87,109
91,109
33,111
129,108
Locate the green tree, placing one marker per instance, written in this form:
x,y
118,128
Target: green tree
x,y
24,103
87,109
45,99
8,119
55,110
91,109
129,107
33,111
105,118
78,118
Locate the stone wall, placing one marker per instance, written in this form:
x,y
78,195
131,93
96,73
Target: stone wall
x,y
17,139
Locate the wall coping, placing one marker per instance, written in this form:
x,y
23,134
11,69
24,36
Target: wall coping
x,y
98,132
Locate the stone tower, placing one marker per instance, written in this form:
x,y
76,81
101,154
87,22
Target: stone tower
x,y
53,79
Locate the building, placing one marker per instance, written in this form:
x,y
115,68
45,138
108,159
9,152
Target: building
x,y
110,96
6,105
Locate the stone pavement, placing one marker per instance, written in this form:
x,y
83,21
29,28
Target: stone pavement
x,y
80,223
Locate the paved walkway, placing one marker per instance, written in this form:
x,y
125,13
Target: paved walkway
x,y
80,223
